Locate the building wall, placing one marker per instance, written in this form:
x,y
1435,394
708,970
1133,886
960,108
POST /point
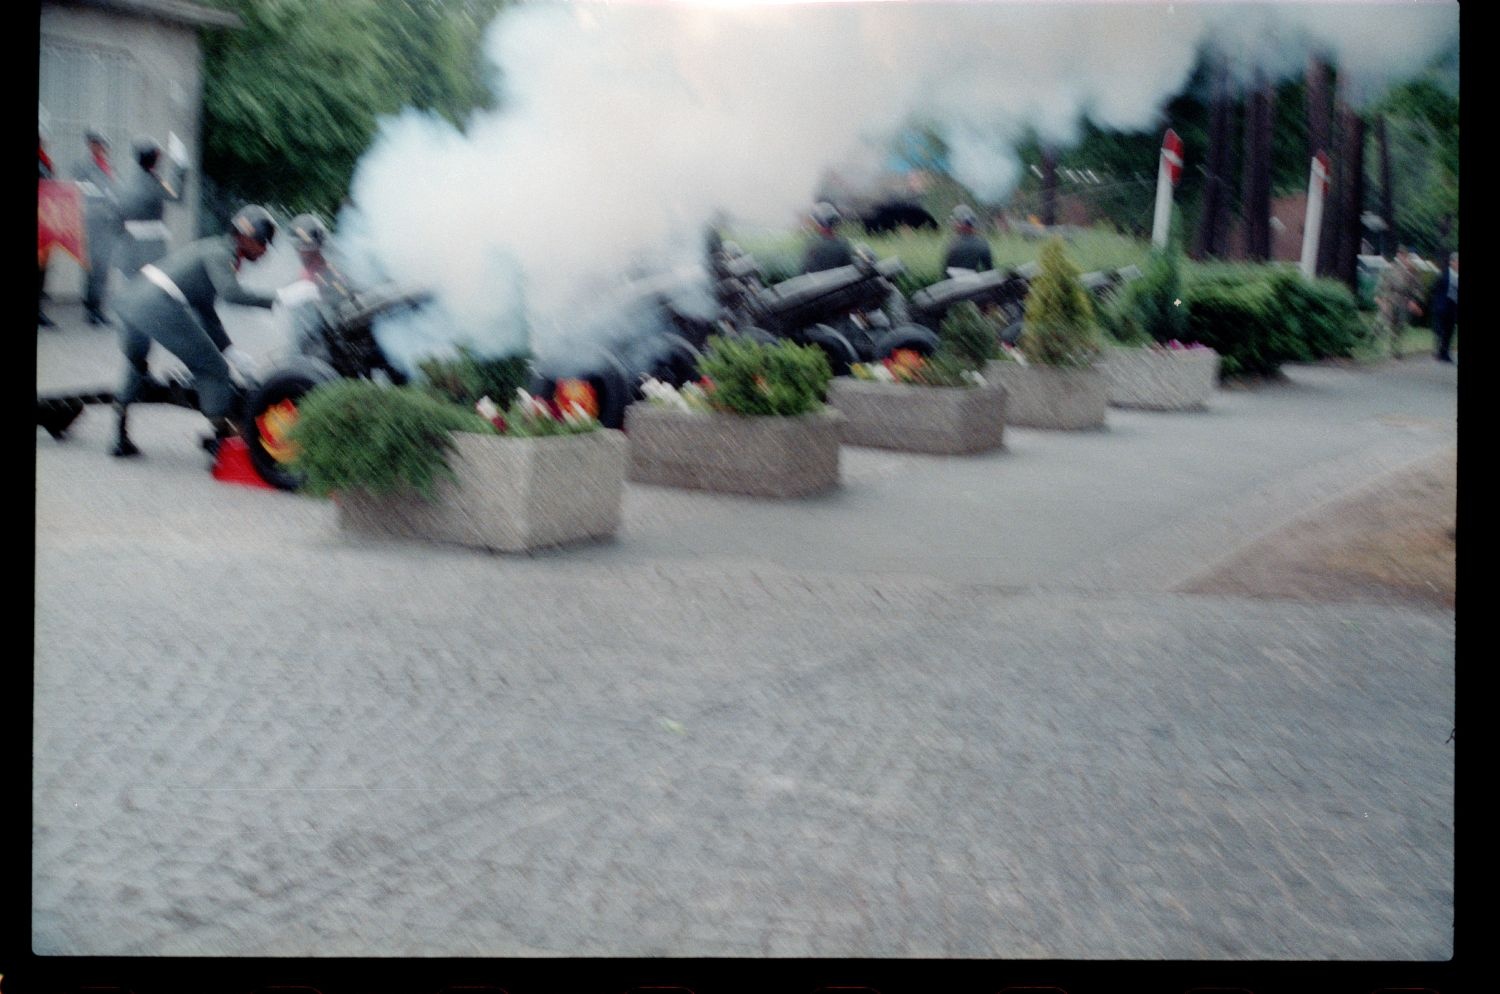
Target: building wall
x,y
126,77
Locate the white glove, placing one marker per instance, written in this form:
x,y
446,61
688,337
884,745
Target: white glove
x,y
297,293
240,363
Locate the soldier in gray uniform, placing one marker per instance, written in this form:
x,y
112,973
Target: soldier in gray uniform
x,y
967,250
829,250
101,221
173,304
143,197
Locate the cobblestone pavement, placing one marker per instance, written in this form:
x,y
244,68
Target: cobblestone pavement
x,y
867,725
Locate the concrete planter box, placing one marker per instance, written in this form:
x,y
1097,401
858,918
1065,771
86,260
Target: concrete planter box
x,y
939,420
512,494
1161,379
728,453
1062,397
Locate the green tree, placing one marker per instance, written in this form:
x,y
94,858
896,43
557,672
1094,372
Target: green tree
x,y
1060,328
1422,133
291,100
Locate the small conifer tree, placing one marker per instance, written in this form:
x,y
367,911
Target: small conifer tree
x,y
1060,326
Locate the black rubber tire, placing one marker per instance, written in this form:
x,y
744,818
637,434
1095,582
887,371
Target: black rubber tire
x,y
908,336
282,385
612,389
759,335
679,362
840,351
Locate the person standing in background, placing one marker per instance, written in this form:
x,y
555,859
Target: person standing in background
x,y
44,171
101,220
1445,310
143,196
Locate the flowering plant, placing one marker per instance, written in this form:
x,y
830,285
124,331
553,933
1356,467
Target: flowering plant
x,y
1009,353
1175,346
909,366
529,416
751,379
692,396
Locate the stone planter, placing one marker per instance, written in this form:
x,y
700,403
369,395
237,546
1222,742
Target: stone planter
x,y
512,494
1161,379
728,453
939,420
1063,397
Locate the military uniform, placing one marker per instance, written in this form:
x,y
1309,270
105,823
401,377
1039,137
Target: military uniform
x,y
172,303
1400,285
827,252
102,226
969,251
143,198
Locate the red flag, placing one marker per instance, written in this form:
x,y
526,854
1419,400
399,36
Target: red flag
x,y
59,219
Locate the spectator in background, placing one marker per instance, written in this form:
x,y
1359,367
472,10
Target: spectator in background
x,y
829,249
967,250
1445,310
101,221
1398,294
44,171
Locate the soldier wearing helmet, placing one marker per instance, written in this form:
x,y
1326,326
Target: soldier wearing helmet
x,y
96,179
143,196
171,302
968,250
829,249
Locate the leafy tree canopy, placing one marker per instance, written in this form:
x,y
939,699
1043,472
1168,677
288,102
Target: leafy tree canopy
x,y
291,99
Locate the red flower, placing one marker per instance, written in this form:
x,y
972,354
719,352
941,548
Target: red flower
x,y
499,423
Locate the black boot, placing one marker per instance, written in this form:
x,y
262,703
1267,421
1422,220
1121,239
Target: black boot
x,y
223,428
123,445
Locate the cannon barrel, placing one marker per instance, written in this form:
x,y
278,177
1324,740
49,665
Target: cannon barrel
x,y
813,298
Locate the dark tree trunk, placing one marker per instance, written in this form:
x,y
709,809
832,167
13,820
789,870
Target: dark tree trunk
x,y
1388,237
1351,197
1049,185
1255,192
1213,219
1321,138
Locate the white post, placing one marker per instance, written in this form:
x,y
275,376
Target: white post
x,y
1313,222
1163,205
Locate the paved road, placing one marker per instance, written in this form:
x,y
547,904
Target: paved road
x,y
955,709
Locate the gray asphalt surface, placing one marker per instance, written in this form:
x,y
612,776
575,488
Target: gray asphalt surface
x,y
955,709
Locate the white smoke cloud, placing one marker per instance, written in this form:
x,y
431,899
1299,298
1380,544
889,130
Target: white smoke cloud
x,y
624,127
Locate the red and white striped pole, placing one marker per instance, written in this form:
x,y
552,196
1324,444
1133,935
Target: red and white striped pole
x,y
1168,172
1317,186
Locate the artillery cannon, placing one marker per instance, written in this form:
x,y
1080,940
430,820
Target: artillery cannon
x,y
841,311
331,341
1002,293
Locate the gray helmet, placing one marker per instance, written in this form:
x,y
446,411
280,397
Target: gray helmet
x,y
964,216
146,152
309,233
254,222
825,215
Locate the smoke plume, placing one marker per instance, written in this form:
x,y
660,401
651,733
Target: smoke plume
x,y
623,128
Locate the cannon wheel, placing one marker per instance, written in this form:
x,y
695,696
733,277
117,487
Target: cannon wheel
x,y
270,412
679,362
611,388
909,336
841,354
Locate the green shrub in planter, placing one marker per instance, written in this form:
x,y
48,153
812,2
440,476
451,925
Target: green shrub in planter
x,y
969,336
1324,312
1060,328
466,377
360,435
1150,308
754,379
